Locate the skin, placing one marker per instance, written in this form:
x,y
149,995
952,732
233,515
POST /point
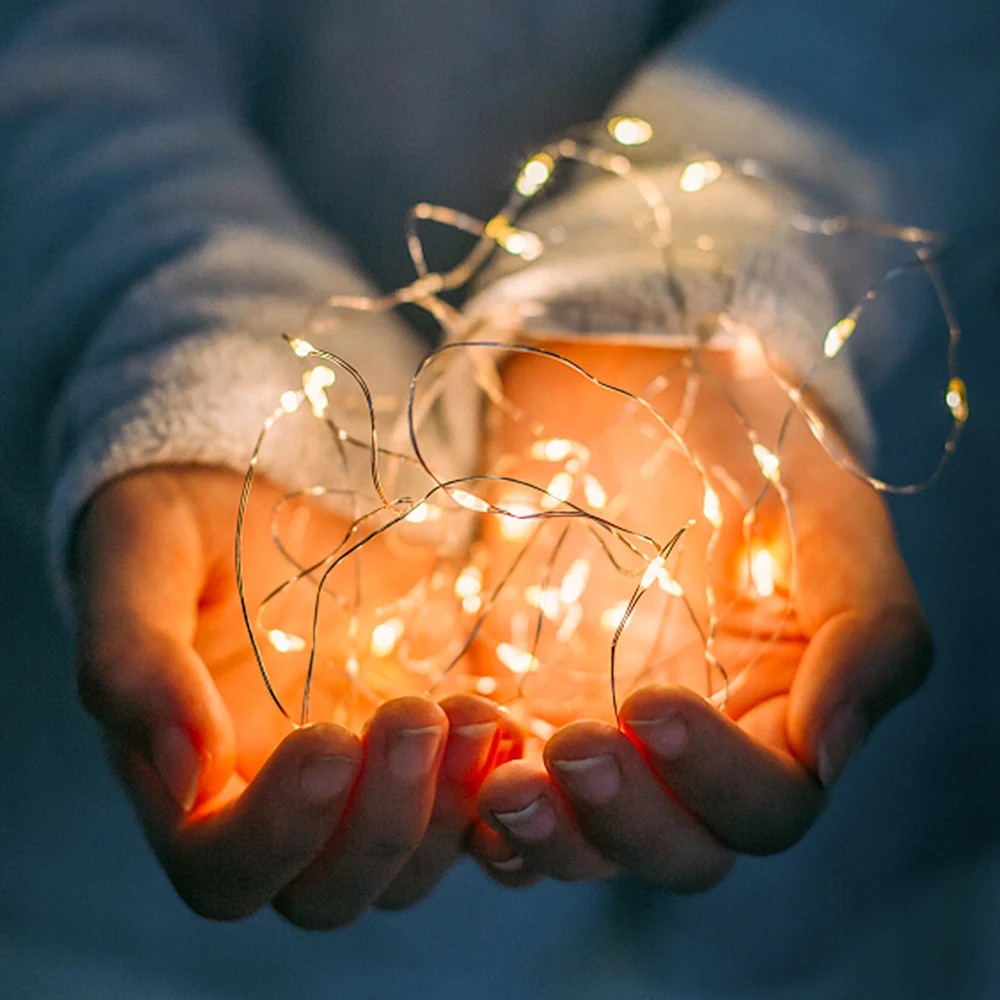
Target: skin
x,y
678,790
244,810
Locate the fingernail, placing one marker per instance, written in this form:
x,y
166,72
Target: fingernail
x,y
666,736
326,776
179,765
469,751
534,823
594,779
514,864
412,752
843,736
476,730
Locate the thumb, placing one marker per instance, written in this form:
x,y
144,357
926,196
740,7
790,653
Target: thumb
x,y
138,576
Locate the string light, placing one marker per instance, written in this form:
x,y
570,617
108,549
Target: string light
x,y
534,175
315,382
558,491
423,513
517,520
302,348
469,582
767,462
595,493
698,175
574,583
838,335
386,635
517,621
763,572
712,508
630,131
957,401
469,502
517,242
516,660
552,449
612,617
285,642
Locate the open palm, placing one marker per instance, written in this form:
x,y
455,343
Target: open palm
x,y
680,789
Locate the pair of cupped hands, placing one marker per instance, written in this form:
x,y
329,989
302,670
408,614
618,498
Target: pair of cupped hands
x,y
244,811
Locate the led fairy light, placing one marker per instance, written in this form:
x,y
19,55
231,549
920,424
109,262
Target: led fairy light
x,y
534,519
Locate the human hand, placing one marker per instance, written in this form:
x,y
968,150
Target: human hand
x,y
242,808
681,789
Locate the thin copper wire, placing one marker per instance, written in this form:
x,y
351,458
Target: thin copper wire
x,y
425,291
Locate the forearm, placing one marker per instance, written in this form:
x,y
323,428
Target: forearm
x,y
151,243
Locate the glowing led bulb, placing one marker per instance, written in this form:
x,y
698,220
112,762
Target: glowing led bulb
x,y
558,490
522,244
517,521
767,462
542,729
595,493
285,642
301,347
630,131
517,660
574,615
386,635
423,512
574,583
712,508
699,174
652,572
552,449
315,382
957,400
838,335
517,242
471,605
612,617
469,582
320,377
469,502
486,685
545,599
290,401
762,572
534,175
668,584
747,354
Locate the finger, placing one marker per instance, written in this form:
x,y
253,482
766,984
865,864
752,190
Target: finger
x,y
137,672
521,804
626,812
386,822
473,740
497,859
227,863
754,799
856,669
